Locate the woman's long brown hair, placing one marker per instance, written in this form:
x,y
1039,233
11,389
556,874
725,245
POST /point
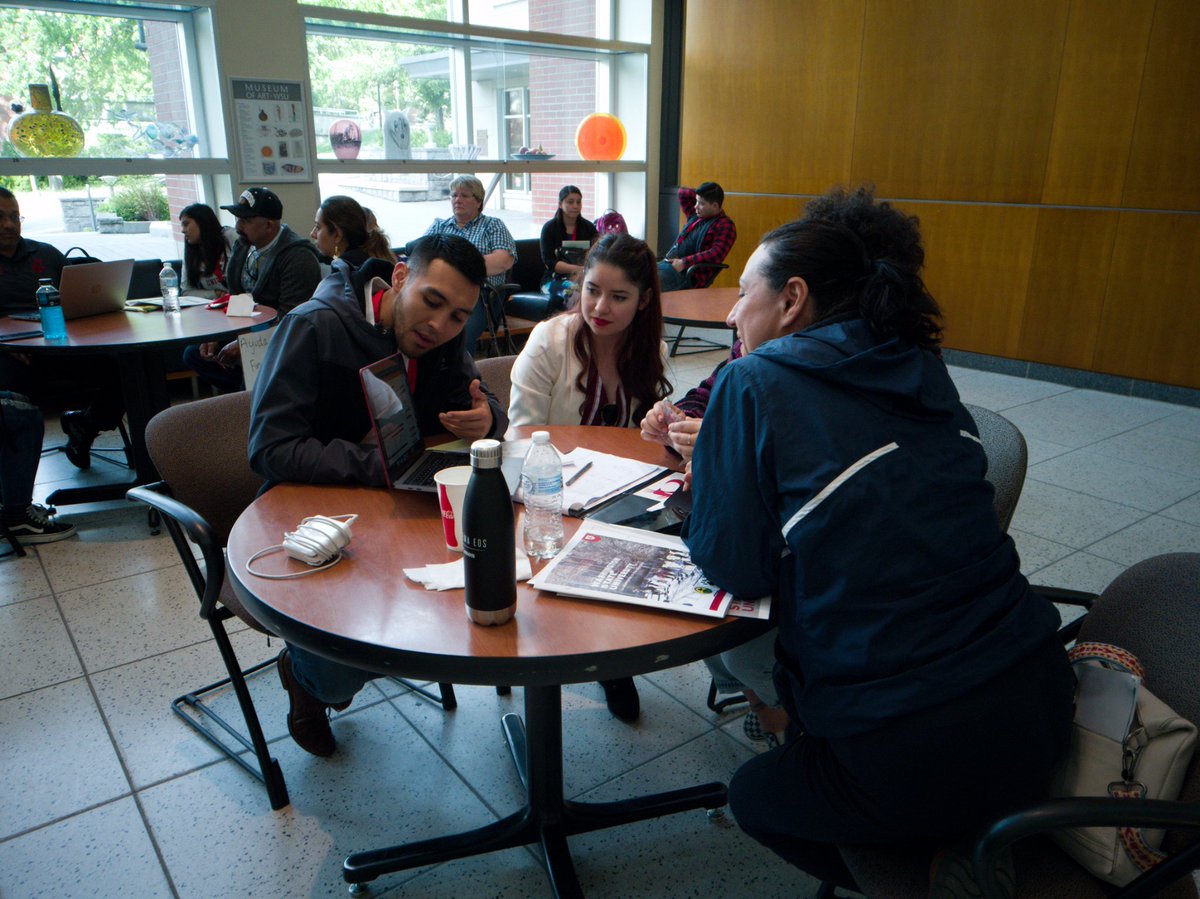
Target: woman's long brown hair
x,y
639,359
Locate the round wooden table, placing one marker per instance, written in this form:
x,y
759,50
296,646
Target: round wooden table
x,y
137,340
364,612
706,307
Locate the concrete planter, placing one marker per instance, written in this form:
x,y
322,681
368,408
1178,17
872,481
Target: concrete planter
x,y
107,223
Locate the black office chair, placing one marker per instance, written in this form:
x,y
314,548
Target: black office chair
x,y
692,345
1153,611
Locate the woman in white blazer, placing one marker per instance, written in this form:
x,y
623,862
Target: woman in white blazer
x,y
601,363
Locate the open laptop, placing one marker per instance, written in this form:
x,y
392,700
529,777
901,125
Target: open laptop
x,y
93,288
90,288
406,462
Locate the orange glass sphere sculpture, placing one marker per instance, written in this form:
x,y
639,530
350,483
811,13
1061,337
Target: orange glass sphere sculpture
x,y
600,137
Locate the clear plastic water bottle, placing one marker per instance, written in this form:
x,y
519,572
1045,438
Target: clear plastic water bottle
x,y
489,544
542,488
168,282
54,326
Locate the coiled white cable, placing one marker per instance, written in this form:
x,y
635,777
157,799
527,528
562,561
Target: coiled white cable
x,y
318,541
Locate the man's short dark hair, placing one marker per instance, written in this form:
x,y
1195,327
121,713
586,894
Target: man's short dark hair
x,y
711,192
457,252
6,194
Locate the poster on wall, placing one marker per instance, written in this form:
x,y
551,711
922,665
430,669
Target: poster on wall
x,y
271,122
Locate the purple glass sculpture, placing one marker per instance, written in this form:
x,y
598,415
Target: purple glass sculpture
x,y
346,138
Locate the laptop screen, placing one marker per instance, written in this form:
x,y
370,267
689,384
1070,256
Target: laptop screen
x,y
389,402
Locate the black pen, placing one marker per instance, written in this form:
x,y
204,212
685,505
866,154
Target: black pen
x,y
575,477
21,335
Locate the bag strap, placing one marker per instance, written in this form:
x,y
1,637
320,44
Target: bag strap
x,y
1108,655
1133,840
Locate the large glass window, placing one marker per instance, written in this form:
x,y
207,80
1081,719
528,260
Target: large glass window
x,y
122,80
424,101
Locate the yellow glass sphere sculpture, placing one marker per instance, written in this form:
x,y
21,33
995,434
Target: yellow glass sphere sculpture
x,y
43,132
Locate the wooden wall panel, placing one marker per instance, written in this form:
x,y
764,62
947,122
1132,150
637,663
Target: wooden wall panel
x,y
977,264
1149,328
768,98
957,108
1097,102
1067,281
754,217
953,100
1164,160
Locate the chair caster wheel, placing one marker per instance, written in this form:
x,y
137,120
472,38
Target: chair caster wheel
x,y
716,814
360,889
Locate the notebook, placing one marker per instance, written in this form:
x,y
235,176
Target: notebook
x,y
91,288
406,463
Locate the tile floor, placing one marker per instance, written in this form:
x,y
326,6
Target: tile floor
x,y
108,794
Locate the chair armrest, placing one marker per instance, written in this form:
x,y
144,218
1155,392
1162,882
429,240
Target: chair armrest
x,y
183,524
1057,814
692,269
1066,597
503,291
1078,598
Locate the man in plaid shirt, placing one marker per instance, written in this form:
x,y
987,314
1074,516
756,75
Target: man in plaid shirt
x,y
707,236
489,235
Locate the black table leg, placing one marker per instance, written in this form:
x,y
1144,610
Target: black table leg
x,y
546,819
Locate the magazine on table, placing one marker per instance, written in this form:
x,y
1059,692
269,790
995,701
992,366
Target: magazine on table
x,y
620,564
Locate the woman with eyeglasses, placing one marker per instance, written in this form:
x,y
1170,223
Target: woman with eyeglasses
x,y
838,472
601,363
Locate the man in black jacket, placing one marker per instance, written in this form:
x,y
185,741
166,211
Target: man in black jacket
x,y
309,419
271,262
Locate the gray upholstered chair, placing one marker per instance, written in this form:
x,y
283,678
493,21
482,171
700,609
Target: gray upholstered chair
x,y
1007,459
497,374
1152,610
205,486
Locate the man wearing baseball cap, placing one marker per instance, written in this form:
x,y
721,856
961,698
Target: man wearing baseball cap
x,y
270,261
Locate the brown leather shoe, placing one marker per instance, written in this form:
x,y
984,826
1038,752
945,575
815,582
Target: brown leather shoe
x,y
307,720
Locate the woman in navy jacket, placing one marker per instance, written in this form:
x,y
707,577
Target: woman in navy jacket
x,y
838,470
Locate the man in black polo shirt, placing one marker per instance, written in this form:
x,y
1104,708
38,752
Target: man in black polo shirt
x,y
22,261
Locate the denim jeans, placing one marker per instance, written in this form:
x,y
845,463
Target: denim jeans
x,y
226,380
670,279
21,432
750,666
329,681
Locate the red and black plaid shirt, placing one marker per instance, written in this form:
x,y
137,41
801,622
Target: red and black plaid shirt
x,y
718,240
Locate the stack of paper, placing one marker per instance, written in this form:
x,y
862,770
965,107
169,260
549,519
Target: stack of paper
x,y
606,477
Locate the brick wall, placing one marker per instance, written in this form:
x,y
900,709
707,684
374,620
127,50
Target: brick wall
x,y
170,105
561,93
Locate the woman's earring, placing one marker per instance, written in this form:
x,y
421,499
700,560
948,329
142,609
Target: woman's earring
x,y
336,251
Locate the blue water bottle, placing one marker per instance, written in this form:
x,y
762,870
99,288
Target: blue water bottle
x,y
54,326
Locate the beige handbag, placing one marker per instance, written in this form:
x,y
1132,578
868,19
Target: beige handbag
x,y
1125,743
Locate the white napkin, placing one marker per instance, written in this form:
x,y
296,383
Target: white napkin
x,y
241,305
450,576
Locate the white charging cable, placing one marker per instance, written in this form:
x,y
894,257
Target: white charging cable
x,y
318,542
